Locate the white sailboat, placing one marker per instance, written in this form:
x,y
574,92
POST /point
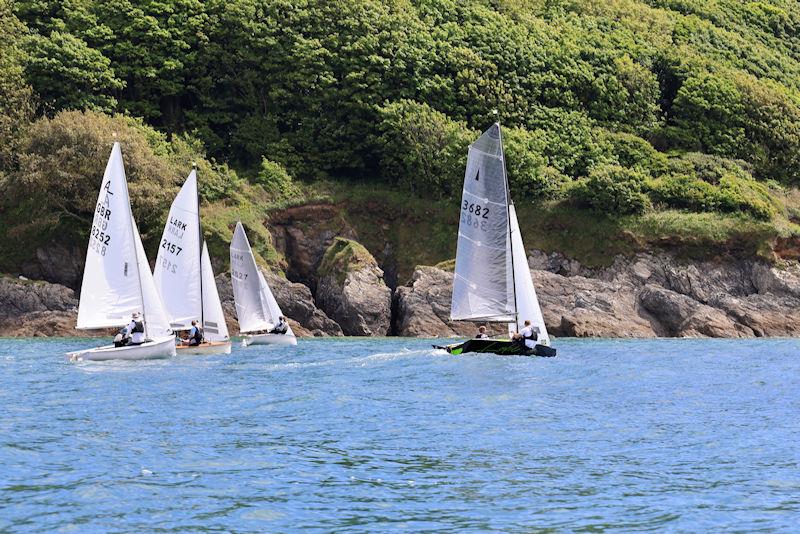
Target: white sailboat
x,y
492,280
256,307
117,281
184,277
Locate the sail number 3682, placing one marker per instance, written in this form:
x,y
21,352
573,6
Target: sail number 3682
x,y
474,215
475,209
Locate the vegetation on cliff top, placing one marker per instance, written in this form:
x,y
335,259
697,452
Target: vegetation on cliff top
x,y
344,256
638,121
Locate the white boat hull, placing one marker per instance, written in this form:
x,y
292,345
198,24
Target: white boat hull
x,y
156,349
205,349
282,340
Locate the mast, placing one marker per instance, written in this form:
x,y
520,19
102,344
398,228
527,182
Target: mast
x,y
199,247
134,233
508,215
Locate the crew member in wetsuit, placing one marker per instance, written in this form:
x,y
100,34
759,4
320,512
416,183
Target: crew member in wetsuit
x,y
528,336
482,333
282,327
136,329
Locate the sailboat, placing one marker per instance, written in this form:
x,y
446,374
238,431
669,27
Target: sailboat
x,y
492,282
117,281
184,277
256,307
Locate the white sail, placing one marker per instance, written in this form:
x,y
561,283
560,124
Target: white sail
x,y
483,286
156,323
247,282
527,302
214,326
111,289
177,270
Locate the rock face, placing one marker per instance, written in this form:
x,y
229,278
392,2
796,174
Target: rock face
x,y
37,309
59,264
295,301
303,234
647,295
351,289
422,308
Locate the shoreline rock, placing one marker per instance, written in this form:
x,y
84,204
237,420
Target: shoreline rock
x,y
351,290
642,296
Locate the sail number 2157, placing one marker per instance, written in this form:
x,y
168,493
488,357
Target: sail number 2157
x,y
170,247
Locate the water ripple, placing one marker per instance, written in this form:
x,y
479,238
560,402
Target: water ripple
x,y
369,435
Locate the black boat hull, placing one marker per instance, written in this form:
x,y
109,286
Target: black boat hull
x,y
503,347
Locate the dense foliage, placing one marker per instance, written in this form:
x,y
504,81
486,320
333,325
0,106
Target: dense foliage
x,y
619,106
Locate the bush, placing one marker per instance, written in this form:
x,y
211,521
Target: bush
x,y
684,191
612,190
276,181
634,152
529,175
215,181
422,150
62,161
707,183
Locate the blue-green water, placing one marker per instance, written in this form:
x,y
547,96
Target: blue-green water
x,y
376,435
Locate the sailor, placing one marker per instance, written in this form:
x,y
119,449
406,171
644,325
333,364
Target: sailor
x,y
122,338
281,328
136,329
528,335
482,333
195,335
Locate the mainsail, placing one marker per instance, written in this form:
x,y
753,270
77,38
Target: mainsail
x,y
483,285
177,270
527,302
256,307
116,278
214,326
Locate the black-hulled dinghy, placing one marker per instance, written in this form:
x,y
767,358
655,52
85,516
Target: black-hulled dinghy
x,y
492,281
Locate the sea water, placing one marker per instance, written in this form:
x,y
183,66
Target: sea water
x,y
389,434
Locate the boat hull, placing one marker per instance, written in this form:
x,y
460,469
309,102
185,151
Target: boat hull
x,y
204,349
156,349
281,340
504,347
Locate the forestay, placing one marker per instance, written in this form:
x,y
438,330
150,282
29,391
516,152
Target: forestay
x,y
247,280
214,326
483,287
526,299
177,270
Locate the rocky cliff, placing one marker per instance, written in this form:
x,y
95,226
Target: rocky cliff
x,y
351,289
646,295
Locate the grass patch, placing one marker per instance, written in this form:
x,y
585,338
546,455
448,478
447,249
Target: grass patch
x,y
344,256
